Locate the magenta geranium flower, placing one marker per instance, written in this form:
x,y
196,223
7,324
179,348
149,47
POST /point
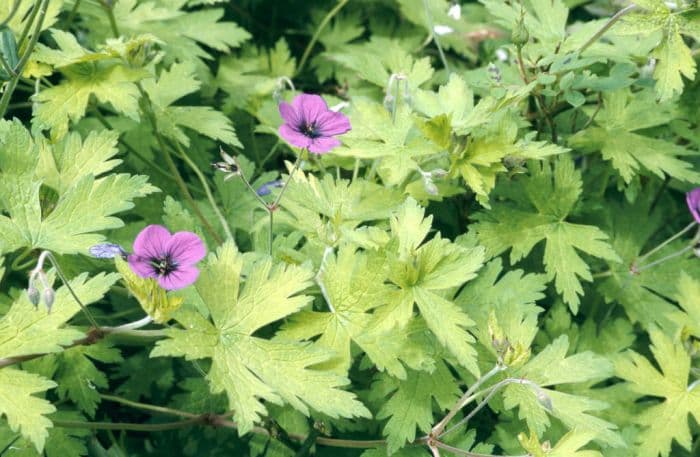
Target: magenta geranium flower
x,y
170,259
308,123
693,199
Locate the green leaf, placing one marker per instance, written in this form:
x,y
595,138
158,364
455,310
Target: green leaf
x,y
85,205
174,84
411,404
424,274
665,421
674,58
616,138
544,201
552,367
88,74
78,378
689,299
26,330
26,413
248,368
354,285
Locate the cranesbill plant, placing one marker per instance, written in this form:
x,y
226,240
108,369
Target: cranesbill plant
x,y
472,231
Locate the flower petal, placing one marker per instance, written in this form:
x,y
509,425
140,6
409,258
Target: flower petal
x,y
693,199
323,144
294,137
180,278
310,107
289,114
142,266
151,241
332,123
185,248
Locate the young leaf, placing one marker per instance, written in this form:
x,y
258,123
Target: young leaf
x,y
248,368
354,284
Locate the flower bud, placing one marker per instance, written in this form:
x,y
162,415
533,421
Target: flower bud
x,y
438,173
34,295
49,298
430,186
519,35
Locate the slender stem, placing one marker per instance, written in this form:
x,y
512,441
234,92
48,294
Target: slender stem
x,y
13,11
128,327
602,274
103,120
7,95
429,18
92,337
606,26
663,259
72,14
270,233
173,167
665,243
490,392
309,47
319,277
286,183
28,26
207,189
147,407
109,9
595,113
464,400
127,426
521,64
54,262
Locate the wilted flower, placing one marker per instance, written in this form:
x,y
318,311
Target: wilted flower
x,y
308,123
693,199
266,188
228,166
455,11
170,259
107,251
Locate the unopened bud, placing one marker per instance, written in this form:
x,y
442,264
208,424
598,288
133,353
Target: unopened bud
x,y
49,298
430,186
542,397
34,295
519,35
438,173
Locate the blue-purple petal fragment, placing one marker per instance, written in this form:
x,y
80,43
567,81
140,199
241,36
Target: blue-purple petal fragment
x,y
107,251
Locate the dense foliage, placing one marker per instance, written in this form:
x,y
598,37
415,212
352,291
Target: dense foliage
x,y
499,259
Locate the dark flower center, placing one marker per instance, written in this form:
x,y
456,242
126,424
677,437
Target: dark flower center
x,y
310,129
163,265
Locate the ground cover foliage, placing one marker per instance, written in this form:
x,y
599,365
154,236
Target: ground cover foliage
x,y
499,259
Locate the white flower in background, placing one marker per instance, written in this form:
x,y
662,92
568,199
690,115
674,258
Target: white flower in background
x,y
501,55
455,11
442,29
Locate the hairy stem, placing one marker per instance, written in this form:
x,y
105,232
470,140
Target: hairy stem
x,y
207,189
666,242
109,9
173,167
606,27
465,399
429,19
147,407
9,90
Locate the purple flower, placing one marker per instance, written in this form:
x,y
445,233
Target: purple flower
x,y
169,258
308,123
693,199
